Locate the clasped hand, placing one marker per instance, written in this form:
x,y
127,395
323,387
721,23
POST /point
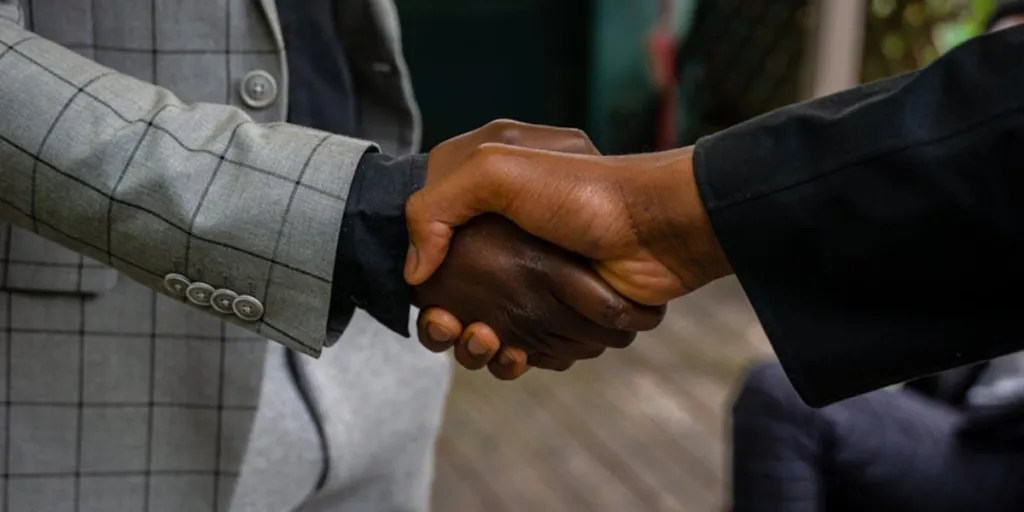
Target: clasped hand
x,y
582,260
502,289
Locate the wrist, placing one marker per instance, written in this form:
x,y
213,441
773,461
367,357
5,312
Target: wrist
x,y
682,238
374,241
714,261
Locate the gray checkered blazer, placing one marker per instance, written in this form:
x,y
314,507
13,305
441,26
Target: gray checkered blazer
x,y
118,395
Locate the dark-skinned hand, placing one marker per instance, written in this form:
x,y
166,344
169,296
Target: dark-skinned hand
x,y
516,289
477,344
638,219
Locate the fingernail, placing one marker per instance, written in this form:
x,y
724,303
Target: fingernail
x,y
412,260
438,333
506,358
476,347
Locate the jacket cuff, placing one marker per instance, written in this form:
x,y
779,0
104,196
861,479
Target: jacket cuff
x,y
374,241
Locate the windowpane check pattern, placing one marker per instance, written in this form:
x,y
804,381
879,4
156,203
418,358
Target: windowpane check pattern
x,y
142,407
134,178
116,396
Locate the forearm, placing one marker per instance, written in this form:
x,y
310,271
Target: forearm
x,y
878,232
125,173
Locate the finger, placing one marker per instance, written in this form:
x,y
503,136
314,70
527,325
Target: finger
x,y
576,337
583,290
641,281
429,240
438,329
569,349
477,346
510,364
547,362
551,138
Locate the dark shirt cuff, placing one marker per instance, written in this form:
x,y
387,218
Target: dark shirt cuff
x,y
373,243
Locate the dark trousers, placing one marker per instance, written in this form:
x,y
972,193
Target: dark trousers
x,y
887,450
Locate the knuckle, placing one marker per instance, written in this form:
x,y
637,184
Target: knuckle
x,y
500,123
617,314
578,134
487,159
580,140
511,136
505,131
483,152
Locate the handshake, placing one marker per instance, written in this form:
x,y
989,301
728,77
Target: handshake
x,y
528,248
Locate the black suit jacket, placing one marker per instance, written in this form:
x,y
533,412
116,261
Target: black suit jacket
x,y
879,232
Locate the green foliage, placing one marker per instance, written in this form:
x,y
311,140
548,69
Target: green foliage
x,y
972,23
902,35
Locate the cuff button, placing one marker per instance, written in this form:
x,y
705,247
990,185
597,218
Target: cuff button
x,y
247,308
222,299
199,294
176,284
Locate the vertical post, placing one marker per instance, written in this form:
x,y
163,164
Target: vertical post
x,y
840,44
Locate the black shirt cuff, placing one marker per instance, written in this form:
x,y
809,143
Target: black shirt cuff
x,y
374,241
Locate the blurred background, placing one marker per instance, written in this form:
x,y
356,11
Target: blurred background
x,y
642,429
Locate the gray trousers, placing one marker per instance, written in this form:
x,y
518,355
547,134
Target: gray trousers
x,y
381,400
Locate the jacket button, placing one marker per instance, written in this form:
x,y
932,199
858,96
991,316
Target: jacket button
x,y
222,299
199,294
258,89
176,284
247,308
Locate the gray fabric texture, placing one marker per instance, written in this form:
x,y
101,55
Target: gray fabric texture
x,y
119,397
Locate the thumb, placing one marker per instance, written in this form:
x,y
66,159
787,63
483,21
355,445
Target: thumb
x,y
429,237
433,213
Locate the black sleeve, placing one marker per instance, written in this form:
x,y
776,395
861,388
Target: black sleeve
x,y
879,232
373,243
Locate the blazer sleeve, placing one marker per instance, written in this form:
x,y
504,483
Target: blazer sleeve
x,y
879,232
125,173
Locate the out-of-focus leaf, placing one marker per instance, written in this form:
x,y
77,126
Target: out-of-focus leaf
x,y
948,35
903,35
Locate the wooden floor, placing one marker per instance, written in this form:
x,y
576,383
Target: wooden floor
x,y
637,430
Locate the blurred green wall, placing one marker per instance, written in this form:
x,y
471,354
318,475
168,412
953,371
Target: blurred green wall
x,y
580,63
